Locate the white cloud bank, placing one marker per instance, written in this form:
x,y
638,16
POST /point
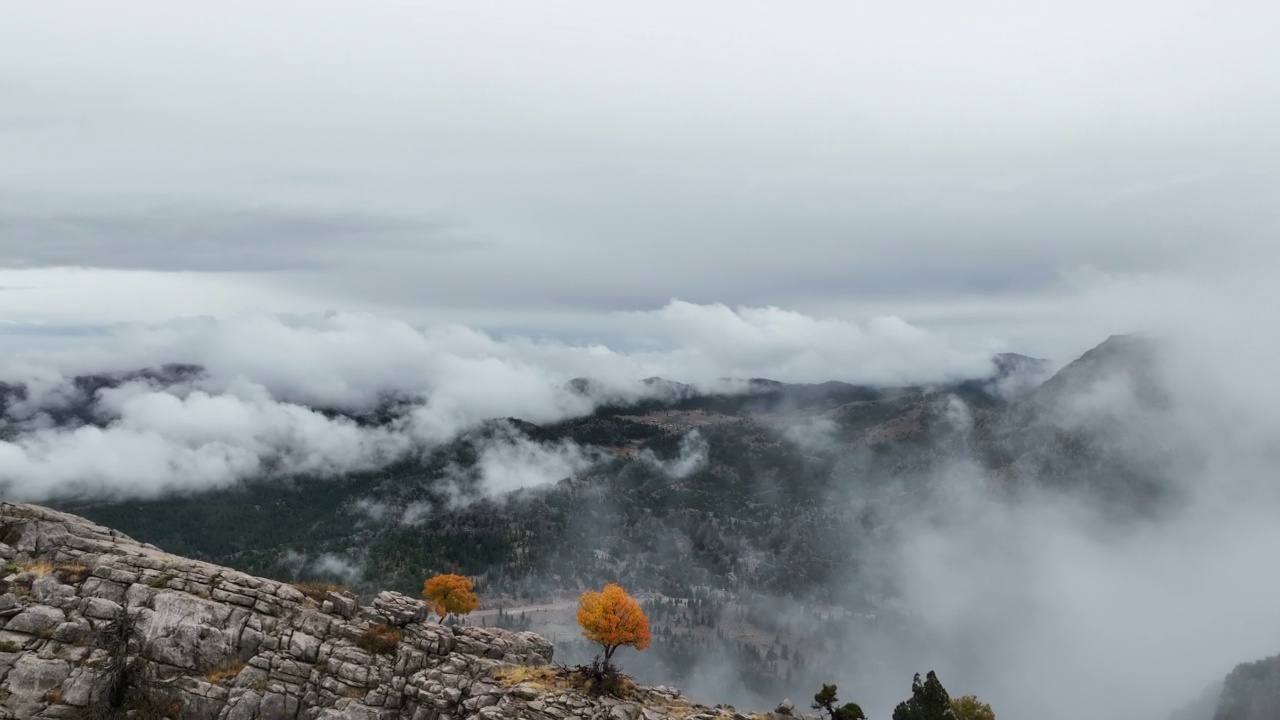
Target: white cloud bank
x,y
258,407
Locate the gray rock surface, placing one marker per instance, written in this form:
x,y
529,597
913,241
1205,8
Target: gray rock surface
x,y
90,617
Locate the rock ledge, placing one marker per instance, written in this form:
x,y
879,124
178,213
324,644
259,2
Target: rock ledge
x,y
86,611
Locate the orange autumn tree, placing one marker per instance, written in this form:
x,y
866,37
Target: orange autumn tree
x,y
613,619
450,595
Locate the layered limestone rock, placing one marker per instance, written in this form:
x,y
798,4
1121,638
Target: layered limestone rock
x,y
96,624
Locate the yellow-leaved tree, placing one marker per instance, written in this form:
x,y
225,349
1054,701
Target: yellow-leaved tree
x,y
971,708
450,595
613,619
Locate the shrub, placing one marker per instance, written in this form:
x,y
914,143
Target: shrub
x,y
217,676
39,568
600,677
541,677
73,573
161,580
319,591
380,639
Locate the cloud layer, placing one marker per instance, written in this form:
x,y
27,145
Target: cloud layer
x,y
181,238
960,159
266,399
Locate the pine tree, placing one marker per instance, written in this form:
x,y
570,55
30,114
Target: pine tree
x,y
929,701
825,699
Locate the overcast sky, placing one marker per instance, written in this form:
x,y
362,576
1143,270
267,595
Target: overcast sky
x,y
974,168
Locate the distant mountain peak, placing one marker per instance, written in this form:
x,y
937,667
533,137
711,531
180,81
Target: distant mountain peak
x,y
1130,355
1008,364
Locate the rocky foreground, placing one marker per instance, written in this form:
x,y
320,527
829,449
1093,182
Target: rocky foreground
x,y
98,625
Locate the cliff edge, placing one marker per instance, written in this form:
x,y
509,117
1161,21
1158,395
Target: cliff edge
x,y
98,625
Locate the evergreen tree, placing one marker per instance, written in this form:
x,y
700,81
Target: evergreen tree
x,y
929,701
825,699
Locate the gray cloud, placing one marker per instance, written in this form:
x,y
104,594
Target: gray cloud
x,y
193,238
508,462
325,565
16,122
691,457
900,153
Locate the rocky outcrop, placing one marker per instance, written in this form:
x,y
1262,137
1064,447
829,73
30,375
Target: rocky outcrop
x,y
1251,692
96,624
